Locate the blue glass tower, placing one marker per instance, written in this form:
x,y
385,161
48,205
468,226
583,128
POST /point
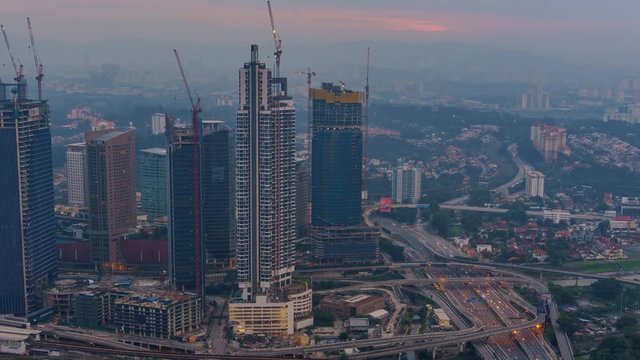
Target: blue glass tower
x,y
28,261
336,174
337,232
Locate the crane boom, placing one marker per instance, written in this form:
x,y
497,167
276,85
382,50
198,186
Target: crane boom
x,y
184,80
36,60
16,68
276,40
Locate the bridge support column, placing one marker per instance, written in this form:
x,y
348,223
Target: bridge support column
x,y
433,353
461,348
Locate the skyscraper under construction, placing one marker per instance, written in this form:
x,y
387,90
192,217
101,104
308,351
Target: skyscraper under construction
x,y
28,261
272,303
338,234
265,180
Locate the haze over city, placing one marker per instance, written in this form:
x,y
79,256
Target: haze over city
x,y
248,179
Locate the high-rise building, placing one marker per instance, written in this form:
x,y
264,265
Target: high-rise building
x,y
550,140
185,255
158,122
111,186
303,219
534,184
28,259
336,174
218,197
153,182
215,244
76,173
265,180
272,303
338,234
406,182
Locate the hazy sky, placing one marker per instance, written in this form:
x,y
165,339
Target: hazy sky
x,y
598,29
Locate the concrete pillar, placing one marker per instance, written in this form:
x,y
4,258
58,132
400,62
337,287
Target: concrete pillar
x,y
433,353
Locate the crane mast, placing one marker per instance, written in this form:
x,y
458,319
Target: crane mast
x,y
39,68
195,124
276,40
16,68
365,158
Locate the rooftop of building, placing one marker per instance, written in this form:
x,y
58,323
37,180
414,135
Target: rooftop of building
x,y
109,135
155,151
336,93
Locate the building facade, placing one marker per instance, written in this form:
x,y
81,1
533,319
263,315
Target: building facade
x,y
265,181
153,182
76,173
186,261
158,123
303,211
111,186
534,184
218,197
28,258
406,185
336,174
337,232
550,141
215,243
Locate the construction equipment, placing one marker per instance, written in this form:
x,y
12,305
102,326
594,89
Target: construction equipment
x,y
17,68
195,124
276,40
39,68
365,147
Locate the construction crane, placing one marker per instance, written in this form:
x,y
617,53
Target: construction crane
x,y
39,68
276,40
365,157
195,125
16,68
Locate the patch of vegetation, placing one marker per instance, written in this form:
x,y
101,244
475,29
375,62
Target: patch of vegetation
x,y
395,251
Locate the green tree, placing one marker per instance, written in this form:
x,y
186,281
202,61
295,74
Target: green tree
x,y
608,289
604,227
614,348
323,318
479,197
343,336
627,324
569,323
471,221
441,222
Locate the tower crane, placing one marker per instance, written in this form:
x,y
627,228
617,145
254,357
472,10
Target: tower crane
x,y
39,68
16,68
365,157
195,125
276,40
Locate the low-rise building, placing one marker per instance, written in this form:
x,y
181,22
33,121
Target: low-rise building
x,y
280,313
346,307
163,316
441,317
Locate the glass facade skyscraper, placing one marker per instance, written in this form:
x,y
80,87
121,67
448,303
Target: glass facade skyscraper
x,y
28,261
337,232
218,197
336,172
153,182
